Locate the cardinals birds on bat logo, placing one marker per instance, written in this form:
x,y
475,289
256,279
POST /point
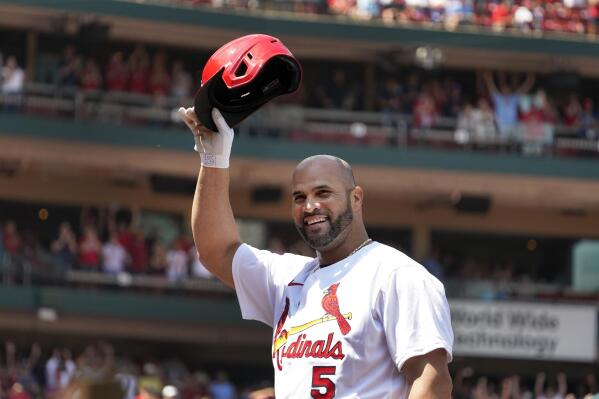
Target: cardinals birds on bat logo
x,y
330,303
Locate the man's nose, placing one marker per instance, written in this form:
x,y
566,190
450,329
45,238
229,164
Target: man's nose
x,y
311,205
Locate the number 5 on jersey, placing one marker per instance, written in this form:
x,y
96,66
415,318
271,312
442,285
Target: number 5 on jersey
x,y
324,388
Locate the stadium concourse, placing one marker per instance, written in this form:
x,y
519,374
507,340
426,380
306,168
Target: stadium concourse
x,y
472,126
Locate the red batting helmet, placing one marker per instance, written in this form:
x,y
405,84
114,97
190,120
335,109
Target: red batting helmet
x,y
243,75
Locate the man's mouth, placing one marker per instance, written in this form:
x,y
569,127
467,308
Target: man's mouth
x,y
312,220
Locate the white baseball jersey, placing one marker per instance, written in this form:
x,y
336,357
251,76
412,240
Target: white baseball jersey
x,y
344,330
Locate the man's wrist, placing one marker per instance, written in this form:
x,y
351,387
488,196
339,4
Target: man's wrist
x,y
214,161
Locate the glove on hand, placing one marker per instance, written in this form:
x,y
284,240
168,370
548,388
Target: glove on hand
x,y
214,148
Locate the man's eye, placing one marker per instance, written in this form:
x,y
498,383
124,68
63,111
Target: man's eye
x,y
298,199
323,193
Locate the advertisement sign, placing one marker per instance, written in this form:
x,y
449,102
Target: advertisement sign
x,y
524,330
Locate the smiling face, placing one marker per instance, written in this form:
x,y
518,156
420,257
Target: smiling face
x,y
322,208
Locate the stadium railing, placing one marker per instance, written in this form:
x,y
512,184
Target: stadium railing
x,y
291,121
22,272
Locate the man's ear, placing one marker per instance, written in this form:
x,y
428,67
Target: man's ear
x,y
357,196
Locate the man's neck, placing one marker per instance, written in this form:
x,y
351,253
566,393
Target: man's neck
x,y
344,250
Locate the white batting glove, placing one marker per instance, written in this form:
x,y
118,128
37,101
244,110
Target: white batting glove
x,y
214,148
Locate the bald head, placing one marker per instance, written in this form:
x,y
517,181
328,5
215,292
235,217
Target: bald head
x,y
331,164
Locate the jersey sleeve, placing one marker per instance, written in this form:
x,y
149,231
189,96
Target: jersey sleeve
x,y
260,277
415,315
254,284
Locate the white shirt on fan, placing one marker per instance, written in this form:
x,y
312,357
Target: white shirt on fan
x,y
394,307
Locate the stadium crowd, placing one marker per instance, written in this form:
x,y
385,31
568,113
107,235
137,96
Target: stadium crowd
x,y
526,16
121,246
490,110
57,372
112,248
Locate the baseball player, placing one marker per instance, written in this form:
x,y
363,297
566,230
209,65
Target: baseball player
x,y
361,320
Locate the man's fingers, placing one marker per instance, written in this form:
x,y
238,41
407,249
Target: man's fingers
x,y
190,113
187,114
219,120
184,116
189,117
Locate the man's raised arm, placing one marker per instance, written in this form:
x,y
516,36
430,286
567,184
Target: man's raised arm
x,y
212,222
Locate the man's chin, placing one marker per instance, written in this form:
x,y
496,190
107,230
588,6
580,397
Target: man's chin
x,y
321,242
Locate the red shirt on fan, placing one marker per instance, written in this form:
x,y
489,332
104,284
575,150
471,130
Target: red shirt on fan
x,y
139,253
138,80
116,73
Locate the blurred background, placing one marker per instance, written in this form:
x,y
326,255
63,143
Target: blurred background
x,y
472,125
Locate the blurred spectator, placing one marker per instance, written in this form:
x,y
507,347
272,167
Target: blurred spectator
x,y
126,237
91,76
181,82
150,382
588,121
506,100
264,393
454,101
12,78
367,9
337,93
149,392
11,239
64,247
139,70
114,256
389,100
68,71
128,384
593,14
425,112
18,392
537,118
33,255
159,81
60,369
139,75
90,249
463,383
476,124
432,264
457,12
158,262
523,16
538,13
116,73
196,386
588,386
411,92
221,387
96,363
572,112
552,390
36,365
176,259
139,253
